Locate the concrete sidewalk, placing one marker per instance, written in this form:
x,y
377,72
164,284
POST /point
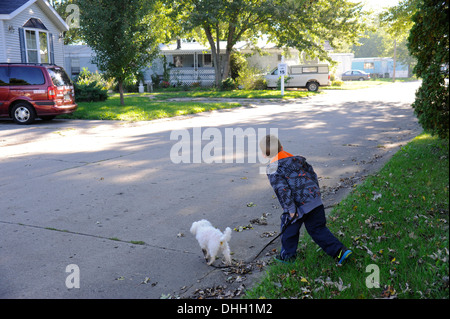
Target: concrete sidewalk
x,y
106,196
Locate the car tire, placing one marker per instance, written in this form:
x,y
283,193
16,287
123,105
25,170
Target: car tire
x,y
23,113
361,79
312,86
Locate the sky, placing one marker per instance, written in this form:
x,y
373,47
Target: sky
x,y
378,5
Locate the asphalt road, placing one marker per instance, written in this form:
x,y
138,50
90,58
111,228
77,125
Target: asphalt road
x,y
109,198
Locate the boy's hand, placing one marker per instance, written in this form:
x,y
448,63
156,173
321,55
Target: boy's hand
x,y
292,215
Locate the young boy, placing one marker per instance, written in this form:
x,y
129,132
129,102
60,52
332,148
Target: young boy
x,y
297,188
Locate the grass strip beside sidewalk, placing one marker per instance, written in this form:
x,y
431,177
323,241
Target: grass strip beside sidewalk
x,y
151,106
396,223
139,107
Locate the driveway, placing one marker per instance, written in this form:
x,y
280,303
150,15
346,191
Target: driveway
x,y
108,198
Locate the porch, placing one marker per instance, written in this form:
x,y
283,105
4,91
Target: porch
x,y
189,63
202,76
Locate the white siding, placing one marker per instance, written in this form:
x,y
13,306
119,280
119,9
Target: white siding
x,y
270,60
344,62
2,42
12,38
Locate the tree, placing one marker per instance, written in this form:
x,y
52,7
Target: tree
x,y
124,34
371,45
428,42
301,24
397,21
68,10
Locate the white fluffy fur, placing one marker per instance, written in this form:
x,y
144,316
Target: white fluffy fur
x,y
212,240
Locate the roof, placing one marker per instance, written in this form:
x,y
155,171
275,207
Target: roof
x,y
78,50
372,59
189,47
11,8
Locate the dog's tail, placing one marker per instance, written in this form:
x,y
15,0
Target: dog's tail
x,y
226,236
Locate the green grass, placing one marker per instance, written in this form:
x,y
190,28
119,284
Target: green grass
x,y
404,233
139,107
239,94
355,85
151,106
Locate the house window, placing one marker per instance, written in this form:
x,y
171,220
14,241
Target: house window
x,y
178,61
207,60
369,65
75,66
37,48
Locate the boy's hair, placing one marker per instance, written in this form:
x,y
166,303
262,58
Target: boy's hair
x,y
270,145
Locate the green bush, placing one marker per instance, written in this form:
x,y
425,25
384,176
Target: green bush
x,y
250,78
286,79
237,63
90,92
228,84
428,42
260,83
91,87
87,77
337,83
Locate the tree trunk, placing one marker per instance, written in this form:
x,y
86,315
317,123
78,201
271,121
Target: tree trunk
x,y
226,65
395,59
215,54
230,43
120,81
218,62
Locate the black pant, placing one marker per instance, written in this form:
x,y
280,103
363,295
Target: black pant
x,y
315,223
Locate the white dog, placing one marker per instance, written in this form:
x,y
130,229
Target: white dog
x,y
212,240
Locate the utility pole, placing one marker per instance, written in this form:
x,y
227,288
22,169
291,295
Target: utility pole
x,y
282,77
395,58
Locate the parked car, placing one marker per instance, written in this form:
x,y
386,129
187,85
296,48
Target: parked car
x,y
356,75
309,76
31,90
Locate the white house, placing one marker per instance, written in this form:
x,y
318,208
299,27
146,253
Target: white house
x,y
188,61
31,31
268,55
77,57
344,62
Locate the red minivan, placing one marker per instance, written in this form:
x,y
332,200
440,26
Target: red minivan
x,y
29,91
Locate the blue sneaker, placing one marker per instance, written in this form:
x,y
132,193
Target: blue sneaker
x,y
343,255
289,260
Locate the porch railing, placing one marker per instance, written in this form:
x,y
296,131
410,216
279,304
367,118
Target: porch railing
x,y
185,75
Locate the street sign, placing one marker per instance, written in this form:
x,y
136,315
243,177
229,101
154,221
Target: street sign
x,y
282,69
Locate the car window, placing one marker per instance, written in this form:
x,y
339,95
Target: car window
x,y
310,69
25,76
4,78
59,77
275,72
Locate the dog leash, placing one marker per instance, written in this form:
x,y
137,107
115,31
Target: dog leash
x,y
273,239
267,245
